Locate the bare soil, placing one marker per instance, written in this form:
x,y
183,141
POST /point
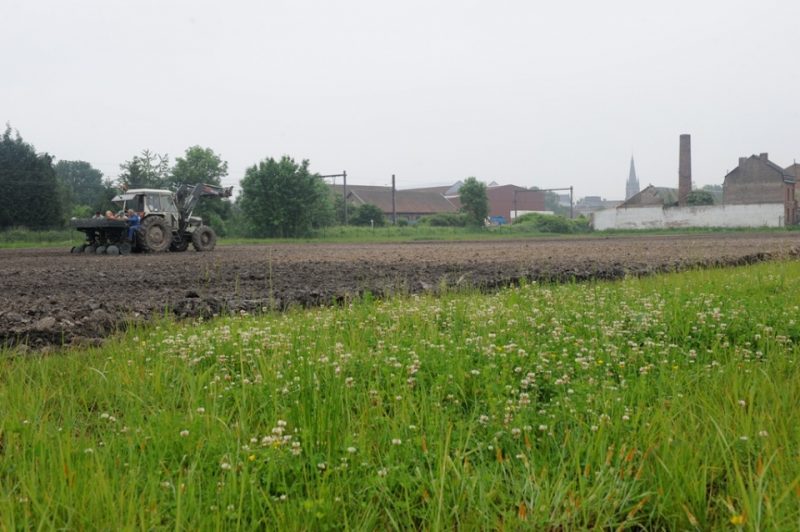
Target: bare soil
x,y
49,297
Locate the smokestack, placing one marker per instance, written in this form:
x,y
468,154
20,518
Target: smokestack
x,y
685,170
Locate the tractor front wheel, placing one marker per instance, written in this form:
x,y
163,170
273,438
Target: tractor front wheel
x,y
204,238
155,235
180,244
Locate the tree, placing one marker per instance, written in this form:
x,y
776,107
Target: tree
x,y
83,183
202,165
474,202
283,199
700,197
30,193
552,203
198,165
368,214
148,170
716,192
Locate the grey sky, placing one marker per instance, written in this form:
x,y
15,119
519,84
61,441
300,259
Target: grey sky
x,y
532,93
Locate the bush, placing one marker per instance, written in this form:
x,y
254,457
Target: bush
x,y
368,214
548,223
445,219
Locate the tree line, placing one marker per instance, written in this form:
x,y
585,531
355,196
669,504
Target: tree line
x,y
278,198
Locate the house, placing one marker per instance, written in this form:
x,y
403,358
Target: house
x,y
652,196
511,201
505,201
757,180
410,205
590,204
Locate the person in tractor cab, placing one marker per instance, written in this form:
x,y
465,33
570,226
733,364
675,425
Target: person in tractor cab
x,y
133,223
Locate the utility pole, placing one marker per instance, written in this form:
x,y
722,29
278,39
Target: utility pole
x,y
344,178
343,175
571,202
394,204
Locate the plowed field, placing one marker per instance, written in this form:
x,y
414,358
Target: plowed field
x,y
49,297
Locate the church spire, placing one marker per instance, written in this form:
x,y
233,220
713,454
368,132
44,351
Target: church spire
x,y
632,186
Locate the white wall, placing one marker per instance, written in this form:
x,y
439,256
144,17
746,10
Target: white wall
x,y
757,215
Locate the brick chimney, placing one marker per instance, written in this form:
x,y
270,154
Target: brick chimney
x,y
763,156
685,169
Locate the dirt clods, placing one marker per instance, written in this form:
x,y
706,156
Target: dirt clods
x,y
51,297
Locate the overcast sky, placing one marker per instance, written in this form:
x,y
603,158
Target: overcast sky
x,y
550,94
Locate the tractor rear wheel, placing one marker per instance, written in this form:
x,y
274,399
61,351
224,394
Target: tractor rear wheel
x,y
155,235
204,238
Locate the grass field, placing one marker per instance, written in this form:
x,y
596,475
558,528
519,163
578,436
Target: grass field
x,y
661,403
19,238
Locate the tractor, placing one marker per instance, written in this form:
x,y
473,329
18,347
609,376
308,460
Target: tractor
x,y
166,222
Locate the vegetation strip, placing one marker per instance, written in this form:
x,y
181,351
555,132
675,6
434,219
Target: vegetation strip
x,y
663,403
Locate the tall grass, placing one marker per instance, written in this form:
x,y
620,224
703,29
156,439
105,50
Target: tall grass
x,y
661,403
21,237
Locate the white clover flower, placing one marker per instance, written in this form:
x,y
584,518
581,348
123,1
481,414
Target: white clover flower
x,y
184,433
382,472
322,466
763,433
742,403
396,441
225,466
351,450
201,410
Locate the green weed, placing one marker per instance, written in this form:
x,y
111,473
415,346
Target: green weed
x,y
661,403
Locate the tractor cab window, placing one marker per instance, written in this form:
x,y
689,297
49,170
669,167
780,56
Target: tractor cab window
x,y
167,204
154,203
136,203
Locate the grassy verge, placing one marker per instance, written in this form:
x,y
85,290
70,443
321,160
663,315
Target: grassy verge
x,y
660,403
23,238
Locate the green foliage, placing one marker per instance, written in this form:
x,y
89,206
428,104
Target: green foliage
x,y
716,191
444,219
202,165
474,202
148,170
30,192
84,184
82,211
198,165
338,208
22,237
368,214
553,203
549,223
700,197
281,198
666,403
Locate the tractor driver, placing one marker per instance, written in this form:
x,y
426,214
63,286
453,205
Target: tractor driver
x,y
133,223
